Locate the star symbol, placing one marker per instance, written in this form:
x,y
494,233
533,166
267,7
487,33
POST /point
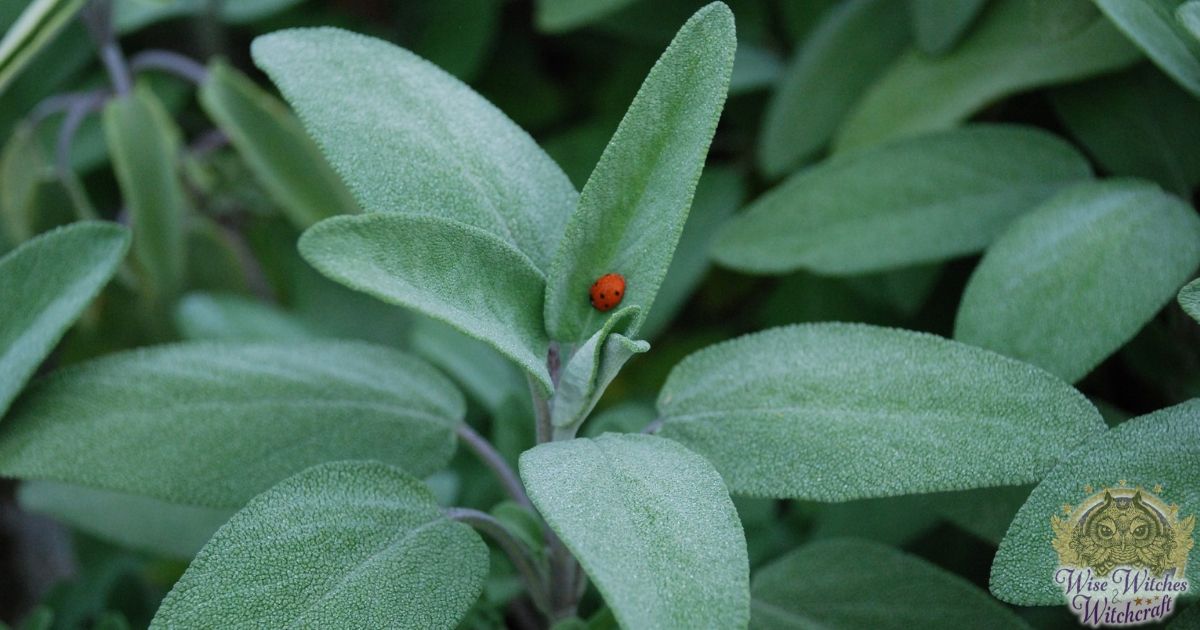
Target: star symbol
x,y
1157,488
1137,601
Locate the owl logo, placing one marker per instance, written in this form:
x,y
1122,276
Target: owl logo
x,y
1124,527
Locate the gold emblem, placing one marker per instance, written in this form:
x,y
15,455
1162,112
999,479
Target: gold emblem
x,y
1124,527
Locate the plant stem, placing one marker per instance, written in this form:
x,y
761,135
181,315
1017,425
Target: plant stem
x,y
171,62
520,554
541,412
495,461
97,16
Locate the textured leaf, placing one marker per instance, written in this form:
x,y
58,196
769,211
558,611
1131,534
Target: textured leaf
x,y
137,522
938,25
449,271
1051,292
670,552
851,46
556,16
213,424
634,205
834,412
407,137
275,147
144,143
1008,52
589,372
1152,25
207,316
44,285
33,30
1136,123
812,588
1188,14
909,202
1162,448
1189,299
347,544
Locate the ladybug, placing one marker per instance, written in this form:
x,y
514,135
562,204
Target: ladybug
x,y
607,291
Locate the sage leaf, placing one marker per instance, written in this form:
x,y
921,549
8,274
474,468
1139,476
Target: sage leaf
x,y
144,143
634,205
557,16
345,544
129,520
158,421
1136,123
937,25
223,317
1009,51
1161,449
848,49
484,374
1152,25
1051,292
913,201
275,147
1188,14
589,372
833,412
670,553
44,286
449,271
1189,299
407,137
36,27
810,588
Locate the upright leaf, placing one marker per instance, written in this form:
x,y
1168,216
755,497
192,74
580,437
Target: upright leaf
x,y
275,147
938,25
144,143
449,271
670,552
407,137
1070,283
912,201
634,205
1136,123
213,424
851,46
834,412
1152,25
1189,299
44,285
1009,51
812,588
347,544
589,372
34,30
1161,449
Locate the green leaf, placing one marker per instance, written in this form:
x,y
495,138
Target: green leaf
x,y
144,144
557,16
812,588
44,286
137,522
670,553
589,372
218,317
913,201
132,15
1152,25
347,544
1008,52
1050,291
486,375
634,205
23,167
407,137
1189,299
1161,448
834,412
275,147
851,46
754,68
34,30
213,424
458,36
938,25
449,271
1136,123
1188,15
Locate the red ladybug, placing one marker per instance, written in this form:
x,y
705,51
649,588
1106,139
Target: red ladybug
x,y
607,291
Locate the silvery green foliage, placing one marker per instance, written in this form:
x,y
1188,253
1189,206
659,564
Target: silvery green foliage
x,y
589,372
1154,26
160,421
833,412
652,524
1050,291
1189,299
345,544
44,285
